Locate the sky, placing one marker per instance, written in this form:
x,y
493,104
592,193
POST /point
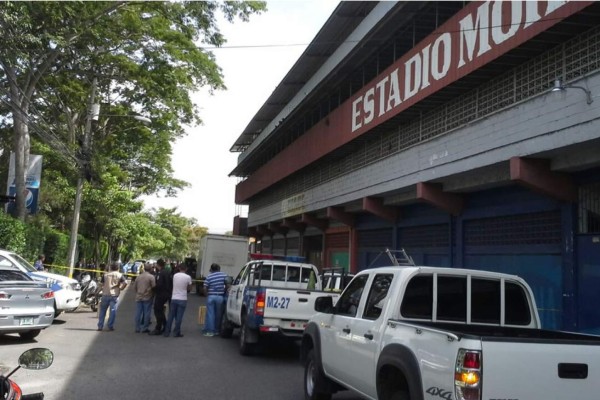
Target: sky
x,y
269,45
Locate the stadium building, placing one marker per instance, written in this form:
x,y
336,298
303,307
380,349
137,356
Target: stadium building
x,y
466,133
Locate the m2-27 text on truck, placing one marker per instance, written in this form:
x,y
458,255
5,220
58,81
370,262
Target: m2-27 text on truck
x,y
429,333
271,297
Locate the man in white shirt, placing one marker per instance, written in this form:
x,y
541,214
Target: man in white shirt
x,y
182,284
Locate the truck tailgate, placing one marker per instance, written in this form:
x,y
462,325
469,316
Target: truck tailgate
x,y
540,370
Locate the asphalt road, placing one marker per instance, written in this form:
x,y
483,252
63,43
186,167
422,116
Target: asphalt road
x,y
126,365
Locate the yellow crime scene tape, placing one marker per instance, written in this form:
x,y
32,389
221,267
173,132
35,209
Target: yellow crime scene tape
x,y
97,271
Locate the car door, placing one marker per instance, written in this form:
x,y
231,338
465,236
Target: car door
x,y
236,295
336,336
366,335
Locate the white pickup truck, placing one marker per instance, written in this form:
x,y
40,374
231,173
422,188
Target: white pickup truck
x,y
271,297
414,333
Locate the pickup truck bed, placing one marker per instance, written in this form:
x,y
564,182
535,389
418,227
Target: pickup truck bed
x,y
503,333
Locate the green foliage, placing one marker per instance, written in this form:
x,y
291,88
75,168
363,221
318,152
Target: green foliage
x,y
194,234
148,58
55,250
35,239
12,234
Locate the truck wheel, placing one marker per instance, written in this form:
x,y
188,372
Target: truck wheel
x,y
314,379
226,327
400,395
29,334
246,348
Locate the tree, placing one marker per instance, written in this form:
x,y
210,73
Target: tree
x,y
174,222
146,56
194,234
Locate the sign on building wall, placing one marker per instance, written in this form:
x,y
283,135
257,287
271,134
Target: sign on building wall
x,y
33,178
475,36
292,205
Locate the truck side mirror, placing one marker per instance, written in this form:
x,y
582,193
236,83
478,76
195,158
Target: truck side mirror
x,y
324,304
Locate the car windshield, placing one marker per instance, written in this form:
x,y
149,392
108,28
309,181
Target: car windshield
x,y
24,263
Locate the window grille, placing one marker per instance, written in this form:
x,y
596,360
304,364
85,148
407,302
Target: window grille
x,y
378,238
589,208
425,236
523,229
573,59
278,244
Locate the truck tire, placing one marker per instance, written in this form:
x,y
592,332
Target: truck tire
x,y
29,335
226,327
314,379
400,395
246,348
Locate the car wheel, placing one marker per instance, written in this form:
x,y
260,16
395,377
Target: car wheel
x,y
226,327
30,334
246,348
314,379
56,311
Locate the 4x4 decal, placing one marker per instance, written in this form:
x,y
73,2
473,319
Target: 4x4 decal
x,y
435,391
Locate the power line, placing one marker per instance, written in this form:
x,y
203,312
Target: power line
x,y
274,45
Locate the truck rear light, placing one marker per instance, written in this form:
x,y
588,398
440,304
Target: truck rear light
x,y
467,375
267,329
260,304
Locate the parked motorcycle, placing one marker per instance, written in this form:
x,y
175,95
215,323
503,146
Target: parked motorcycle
x,y
37,358
90,293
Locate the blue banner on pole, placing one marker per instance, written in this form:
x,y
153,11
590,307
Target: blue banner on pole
x,y
33,179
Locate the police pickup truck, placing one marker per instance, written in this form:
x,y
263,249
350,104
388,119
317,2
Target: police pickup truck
x,y
271,297
442,333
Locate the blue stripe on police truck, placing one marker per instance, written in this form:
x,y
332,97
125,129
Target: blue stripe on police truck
x,y
55,286
278,302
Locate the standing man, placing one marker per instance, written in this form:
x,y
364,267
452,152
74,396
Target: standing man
x,y
215,284
163,291
144,291
113,283
182,284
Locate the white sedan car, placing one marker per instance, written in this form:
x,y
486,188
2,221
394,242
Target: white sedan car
x,y
67,291
26,305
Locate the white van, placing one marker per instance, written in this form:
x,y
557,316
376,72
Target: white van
x,y
67,291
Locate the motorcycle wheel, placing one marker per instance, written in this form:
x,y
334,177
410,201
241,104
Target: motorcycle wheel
x,y
94,305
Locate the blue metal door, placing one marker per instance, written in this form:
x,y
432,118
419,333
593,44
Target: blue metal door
x,y
588,279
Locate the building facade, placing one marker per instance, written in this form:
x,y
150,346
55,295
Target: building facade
x,y
467,134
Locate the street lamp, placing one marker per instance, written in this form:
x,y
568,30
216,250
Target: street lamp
x,y
93,115
559,87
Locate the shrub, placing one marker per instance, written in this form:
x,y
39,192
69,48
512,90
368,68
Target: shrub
x,y
55,250
12,234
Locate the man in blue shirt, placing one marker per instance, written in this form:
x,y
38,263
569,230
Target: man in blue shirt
x,y
215,284
39,263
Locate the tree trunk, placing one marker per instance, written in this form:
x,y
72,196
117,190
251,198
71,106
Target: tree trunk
x,y
21,144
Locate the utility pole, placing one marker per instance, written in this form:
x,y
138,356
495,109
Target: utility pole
x,y
83,167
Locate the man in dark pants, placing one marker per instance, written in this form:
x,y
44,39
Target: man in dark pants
x,y
163,289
